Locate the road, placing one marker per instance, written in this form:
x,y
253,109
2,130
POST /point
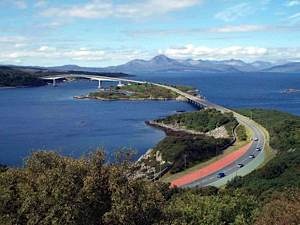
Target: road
x,y
231,170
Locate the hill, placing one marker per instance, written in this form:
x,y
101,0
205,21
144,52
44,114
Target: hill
x,y
293,67
12,77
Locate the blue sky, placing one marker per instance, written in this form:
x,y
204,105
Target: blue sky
x,y
110,32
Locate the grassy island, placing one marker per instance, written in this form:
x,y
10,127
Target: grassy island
x,y
192,138
135,92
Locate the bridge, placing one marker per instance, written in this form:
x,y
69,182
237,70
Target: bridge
x,y
230,168
100,79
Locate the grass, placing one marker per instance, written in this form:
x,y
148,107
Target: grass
x,y
135,92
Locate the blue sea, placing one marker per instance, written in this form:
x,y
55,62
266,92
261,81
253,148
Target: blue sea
x,y
49,118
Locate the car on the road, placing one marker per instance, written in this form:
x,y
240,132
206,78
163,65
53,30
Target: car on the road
x,y
256,139
258,149
251,156
220,175
240,165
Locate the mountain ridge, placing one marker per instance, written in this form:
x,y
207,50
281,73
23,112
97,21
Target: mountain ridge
x,y
162,63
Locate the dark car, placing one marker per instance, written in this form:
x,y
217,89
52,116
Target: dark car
x,y
220,175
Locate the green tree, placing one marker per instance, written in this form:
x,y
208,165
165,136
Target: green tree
x,y
55,190
282,209
223,208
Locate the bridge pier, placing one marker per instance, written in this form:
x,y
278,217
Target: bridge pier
x,y
120,84
99,84
54,82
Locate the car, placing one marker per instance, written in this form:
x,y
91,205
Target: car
x,y
240,165
251,156
220,175
258,149
256,139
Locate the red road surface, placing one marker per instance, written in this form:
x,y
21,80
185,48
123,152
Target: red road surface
x,y
211,168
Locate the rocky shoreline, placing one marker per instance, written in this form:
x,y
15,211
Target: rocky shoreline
x,y
219,132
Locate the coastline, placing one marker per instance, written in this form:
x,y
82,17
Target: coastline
x,y
128,99
170,128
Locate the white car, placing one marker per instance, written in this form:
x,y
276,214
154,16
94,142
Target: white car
x,y
251,156
256,139
240,165
258,149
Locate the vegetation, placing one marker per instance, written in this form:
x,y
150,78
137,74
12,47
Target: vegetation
x,y
241,133
283,170
195,208
135,92
51,189
185,150
11,77
202,121
188,89
3,168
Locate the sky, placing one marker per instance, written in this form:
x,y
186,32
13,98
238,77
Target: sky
x,y
110,32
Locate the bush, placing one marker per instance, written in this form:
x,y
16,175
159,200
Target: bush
x,y
241,133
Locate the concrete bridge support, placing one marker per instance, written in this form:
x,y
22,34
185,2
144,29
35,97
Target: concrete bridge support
x,y
54,82
99,84
120,84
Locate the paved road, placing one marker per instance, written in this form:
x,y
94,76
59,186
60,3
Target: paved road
x,y
231,170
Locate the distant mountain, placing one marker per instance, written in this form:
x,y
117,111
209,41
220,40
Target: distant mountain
x,y
66,68
162,63
293,67
260,65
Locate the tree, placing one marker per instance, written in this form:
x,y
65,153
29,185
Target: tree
x,y
223,208
51,189
282,209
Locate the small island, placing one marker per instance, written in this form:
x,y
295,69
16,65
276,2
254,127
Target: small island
x,y
290,91
137,91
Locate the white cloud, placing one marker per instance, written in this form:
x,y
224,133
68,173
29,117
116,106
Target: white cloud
x,y
239,28
46,48
48,55
295,18
293,2
235,12
81,55
103,9
40,3
238,52
12,41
